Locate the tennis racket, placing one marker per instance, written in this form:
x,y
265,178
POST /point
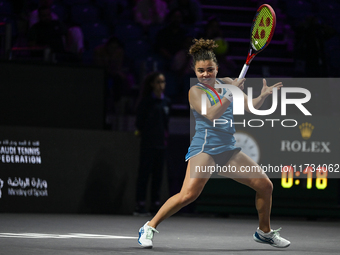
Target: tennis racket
x,y
261,33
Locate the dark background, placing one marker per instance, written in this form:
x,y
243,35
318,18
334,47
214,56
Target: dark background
x,y
88,148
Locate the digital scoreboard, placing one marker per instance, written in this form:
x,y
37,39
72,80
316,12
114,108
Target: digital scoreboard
x,y
302,162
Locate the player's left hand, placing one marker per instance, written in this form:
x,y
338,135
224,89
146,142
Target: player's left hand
x,y
266,91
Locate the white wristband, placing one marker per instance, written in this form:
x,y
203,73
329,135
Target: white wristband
x,y
228,95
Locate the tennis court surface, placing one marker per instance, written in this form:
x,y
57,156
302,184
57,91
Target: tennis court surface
x,y
111,234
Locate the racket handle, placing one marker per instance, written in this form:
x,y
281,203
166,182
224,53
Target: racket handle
x,y
244,71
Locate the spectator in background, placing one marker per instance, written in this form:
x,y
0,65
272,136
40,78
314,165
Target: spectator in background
x,y
169,39
310,46
213,30
182,60
111,56
34,15
123,8
47,32
181,66
149,12
113,11
74,44
310,58
152,126
21,12
73,40
191,9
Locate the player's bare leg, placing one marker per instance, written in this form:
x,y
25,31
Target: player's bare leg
x,y
263,186
192,187
257,181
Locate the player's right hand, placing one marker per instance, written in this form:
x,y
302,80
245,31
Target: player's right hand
x,y
239,83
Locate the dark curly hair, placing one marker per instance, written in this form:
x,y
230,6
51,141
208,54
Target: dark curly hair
x,y
203,50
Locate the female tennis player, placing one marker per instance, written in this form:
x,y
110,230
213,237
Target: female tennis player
x,y
211,145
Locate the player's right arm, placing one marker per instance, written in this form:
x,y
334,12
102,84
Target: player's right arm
x,y
213,112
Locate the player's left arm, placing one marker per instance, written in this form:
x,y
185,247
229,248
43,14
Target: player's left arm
x,y
258,101
265,92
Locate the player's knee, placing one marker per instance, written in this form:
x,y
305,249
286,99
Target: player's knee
x,y
263,185
189,197
267,186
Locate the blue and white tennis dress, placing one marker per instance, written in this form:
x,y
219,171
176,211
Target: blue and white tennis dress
x,y
209,139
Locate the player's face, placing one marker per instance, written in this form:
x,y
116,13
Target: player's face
x,y
206,71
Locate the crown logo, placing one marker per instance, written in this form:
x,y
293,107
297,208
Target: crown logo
x,y
306,130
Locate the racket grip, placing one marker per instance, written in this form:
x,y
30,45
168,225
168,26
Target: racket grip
x,y
244,71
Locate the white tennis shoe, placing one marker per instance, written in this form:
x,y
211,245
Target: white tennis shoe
x,y
146,235
272,238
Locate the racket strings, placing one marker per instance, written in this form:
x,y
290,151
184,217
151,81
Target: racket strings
x,y
262,28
